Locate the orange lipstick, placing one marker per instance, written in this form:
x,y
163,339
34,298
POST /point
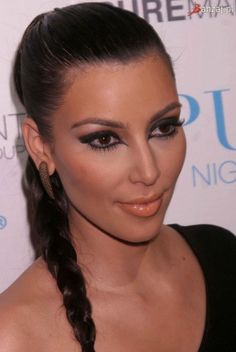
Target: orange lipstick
x,y
141,208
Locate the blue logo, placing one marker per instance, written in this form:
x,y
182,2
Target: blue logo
x,y
217,97
214,174
3,222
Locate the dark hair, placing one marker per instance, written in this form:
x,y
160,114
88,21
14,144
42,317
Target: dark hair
x,y
54,43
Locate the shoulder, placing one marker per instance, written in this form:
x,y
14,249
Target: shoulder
x,y
204,229
23,310
216,238
215,248
12,337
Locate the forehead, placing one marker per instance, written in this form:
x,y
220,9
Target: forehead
x,y
119,91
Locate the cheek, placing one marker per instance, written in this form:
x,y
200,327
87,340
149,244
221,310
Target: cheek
x,y
173,160
87,175
179,155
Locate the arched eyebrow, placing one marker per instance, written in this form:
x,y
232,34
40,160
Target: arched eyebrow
x,y
118,124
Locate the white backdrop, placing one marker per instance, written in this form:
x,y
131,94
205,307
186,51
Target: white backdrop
x,y
203,48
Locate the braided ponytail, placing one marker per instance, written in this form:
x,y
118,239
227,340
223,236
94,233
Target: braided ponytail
x,y
60,40
50,222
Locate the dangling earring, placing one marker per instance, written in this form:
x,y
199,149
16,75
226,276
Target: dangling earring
x,y
45,179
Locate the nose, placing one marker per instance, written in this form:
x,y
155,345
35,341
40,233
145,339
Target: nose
x,y
144,167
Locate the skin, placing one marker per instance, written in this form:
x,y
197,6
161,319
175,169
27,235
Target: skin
x,y
96,181
136,268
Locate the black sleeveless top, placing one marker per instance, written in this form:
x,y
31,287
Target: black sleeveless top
x,y
215,249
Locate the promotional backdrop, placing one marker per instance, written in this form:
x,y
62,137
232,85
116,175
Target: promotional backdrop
x,y
201,40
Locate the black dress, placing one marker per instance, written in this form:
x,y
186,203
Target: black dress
x,y
215,249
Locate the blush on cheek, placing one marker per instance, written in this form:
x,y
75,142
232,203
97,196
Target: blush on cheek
x,y
79,178
175,162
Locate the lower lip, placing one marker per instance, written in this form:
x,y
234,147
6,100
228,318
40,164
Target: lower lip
x,y
142,210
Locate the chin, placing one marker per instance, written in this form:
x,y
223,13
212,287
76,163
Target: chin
x,y
142,232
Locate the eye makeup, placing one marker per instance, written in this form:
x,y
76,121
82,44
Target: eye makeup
x,y
101,140
166,127
106,140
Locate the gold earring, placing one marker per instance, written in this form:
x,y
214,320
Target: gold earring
x,y
45,179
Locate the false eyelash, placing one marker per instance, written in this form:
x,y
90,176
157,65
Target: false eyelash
x,y
88,139
169,121
96,135
103,149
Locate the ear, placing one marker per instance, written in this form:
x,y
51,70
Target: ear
x,y
37,148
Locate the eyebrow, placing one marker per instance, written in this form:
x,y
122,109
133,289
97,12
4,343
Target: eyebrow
x,y
117,124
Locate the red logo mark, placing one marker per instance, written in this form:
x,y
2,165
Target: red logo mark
x,y
196,9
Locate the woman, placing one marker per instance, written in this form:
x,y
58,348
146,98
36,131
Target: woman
x,y
105,147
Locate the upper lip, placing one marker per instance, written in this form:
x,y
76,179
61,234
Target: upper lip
x,y
143,200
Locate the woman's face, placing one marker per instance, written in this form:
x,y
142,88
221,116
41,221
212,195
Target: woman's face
x,y
117,147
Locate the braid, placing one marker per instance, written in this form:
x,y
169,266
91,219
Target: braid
x,y
62,40
51,224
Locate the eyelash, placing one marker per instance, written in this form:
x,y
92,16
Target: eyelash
x,y
171,122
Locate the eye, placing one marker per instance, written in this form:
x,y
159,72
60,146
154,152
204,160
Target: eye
x,y
166,127
101,140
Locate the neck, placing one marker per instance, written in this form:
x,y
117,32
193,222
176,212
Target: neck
x,y
110,264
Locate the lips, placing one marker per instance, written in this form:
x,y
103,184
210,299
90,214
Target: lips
x,y
143,200
142,207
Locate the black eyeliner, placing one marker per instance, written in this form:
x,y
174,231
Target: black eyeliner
x,y
95,135
174,121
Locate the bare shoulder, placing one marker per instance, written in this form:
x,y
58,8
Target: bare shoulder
x,y
12,337
34,286
26,308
